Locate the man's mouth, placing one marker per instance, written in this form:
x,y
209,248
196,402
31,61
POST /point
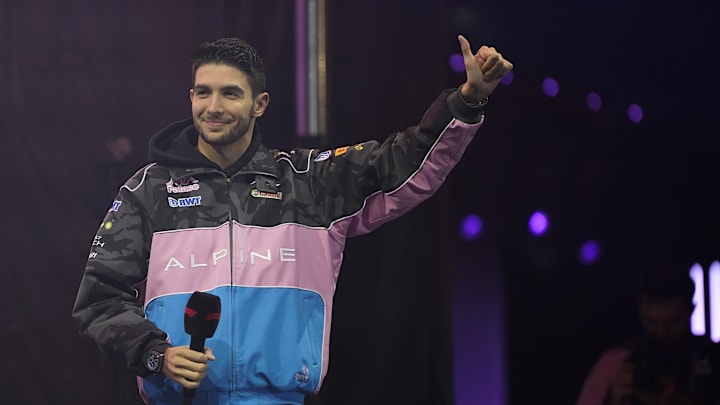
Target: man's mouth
x,y
215,123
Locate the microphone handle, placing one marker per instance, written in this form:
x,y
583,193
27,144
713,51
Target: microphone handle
x,y
197,344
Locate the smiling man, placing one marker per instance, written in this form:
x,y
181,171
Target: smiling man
x,y
264,230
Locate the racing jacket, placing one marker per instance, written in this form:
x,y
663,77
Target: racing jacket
x,y
266,235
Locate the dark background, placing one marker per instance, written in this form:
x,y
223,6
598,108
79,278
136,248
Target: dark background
x,y
76,75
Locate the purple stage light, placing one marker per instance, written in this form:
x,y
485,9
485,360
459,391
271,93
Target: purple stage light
x,y
635,113
457,64
538,223
589,252
594,102
471,227
550,87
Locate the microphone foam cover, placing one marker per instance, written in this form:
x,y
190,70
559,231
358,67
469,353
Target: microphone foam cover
x,y
202,314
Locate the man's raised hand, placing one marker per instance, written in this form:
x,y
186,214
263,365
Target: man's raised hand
x,y
484,70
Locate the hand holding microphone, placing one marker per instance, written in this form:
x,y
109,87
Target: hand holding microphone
x,y
187,365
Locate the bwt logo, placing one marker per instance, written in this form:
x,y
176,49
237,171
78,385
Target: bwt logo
x,y
706,300
184,202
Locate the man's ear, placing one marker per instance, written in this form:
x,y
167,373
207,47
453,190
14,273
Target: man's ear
x,y
261,103
192,92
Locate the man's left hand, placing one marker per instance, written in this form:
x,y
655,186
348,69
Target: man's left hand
x,y
484,70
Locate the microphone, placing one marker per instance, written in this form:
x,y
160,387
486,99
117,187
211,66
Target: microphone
x,y
202,314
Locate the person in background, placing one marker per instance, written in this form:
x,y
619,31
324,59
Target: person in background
x,y
666,364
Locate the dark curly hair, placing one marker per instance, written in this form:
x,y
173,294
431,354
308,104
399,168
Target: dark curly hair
x,y
232,52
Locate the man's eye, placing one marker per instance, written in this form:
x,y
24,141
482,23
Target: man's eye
x,y
231,94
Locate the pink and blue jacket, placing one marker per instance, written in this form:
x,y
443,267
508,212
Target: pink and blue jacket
x,y
266,235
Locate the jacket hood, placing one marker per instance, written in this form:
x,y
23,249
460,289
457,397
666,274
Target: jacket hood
x,y
176,146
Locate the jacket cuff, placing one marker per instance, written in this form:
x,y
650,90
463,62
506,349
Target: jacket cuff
x,y
462,110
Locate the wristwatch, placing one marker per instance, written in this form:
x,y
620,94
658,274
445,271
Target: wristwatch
x,y
154,360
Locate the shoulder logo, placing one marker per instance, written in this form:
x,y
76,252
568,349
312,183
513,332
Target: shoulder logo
x,y
264,194
341,151
323,156
115,206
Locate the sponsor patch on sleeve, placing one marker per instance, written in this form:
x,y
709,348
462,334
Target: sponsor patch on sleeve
x,y
115,206
341,151
323,156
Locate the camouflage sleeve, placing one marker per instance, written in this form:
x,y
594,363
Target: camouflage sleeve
x,y
108,308
373,182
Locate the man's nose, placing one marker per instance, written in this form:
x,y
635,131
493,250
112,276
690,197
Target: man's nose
x,y
215,104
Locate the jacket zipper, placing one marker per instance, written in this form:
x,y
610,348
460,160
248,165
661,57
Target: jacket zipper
x,y
231,290
229,181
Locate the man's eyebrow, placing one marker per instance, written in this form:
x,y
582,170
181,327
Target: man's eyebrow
x,y
231,87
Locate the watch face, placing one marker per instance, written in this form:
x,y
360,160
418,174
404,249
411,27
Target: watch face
x,y
154,361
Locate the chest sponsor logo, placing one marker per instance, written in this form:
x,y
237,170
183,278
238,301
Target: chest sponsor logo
x,y
217,257
184,202
184,185
264,194
341,151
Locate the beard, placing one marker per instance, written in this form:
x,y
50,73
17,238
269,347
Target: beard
x,y
231,135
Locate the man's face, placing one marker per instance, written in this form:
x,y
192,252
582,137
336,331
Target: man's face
x,y
666,323
223,106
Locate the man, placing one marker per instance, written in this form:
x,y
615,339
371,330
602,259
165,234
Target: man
x,y
667,364
216,211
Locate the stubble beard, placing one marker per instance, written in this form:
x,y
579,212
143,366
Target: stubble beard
x,y
232,135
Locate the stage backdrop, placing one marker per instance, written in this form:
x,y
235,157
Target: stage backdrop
x,y
422,315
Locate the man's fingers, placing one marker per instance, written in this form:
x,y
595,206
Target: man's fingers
x,y
192,366
189,384
189,375
491,63
198,357
497,71
465,47
209,354
495,68
486,51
